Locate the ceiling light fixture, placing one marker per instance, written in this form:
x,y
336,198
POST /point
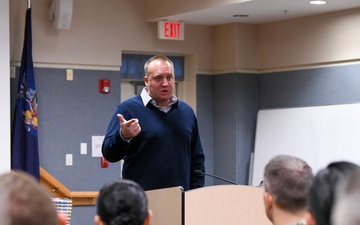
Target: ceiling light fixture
x,y
318,2
240,15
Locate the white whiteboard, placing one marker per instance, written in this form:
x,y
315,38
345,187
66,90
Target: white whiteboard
x,y
319,135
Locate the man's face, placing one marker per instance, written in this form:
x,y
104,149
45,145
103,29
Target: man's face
x,y
160,81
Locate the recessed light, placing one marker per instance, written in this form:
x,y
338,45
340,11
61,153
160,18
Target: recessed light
x,y
241,15
318,2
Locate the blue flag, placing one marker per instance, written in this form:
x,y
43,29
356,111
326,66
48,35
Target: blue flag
x,y
24,145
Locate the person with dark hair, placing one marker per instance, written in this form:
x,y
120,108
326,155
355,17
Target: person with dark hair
x,y
25,201
322,192
156,134
287,181
347,198
122,203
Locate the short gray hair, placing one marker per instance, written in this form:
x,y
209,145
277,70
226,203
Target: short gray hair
x,y
156,57
288,180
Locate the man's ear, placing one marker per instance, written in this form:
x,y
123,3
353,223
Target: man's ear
x,y
268,200
310,219
148,218
98,221
146,81
269,205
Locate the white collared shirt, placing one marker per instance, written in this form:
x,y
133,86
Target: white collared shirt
x,y
146,98
300,222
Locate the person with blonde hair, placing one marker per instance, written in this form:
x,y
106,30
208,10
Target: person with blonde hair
x,y
25,201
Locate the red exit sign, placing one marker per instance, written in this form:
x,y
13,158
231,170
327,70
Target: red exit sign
x,y
170,30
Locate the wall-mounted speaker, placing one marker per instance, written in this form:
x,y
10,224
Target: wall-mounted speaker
x,y
60,13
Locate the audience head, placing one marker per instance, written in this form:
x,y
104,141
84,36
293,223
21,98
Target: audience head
x,y
25,201
287,180
322,192
345,210
122,203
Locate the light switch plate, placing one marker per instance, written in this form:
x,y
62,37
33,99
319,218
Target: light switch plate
x,y
69,74
83,148
69,160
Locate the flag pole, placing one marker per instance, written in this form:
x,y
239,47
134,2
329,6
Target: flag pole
x,y
29,4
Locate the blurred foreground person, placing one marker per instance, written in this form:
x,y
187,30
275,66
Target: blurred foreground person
x,y
122,203
322,192
346,208
25,201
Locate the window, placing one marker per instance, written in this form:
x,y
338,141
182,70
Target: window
x,y
132,66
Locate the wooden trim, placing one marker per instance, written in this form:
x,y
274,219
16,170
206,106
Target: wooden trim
x,y
58,190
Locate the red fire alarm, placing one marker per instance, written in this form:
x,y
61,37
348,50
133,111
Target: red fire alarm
x,y
104,86
104,163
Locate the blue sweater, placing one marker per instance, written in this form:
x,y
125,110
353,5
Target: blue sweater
x,y
166,152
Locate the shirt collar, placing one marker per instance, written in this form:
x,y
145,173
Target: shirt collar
x,y
300,222
146,97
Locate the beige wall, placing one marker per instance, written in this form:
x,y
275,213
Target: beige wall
x,y
100,31
235,48
310,41
329,38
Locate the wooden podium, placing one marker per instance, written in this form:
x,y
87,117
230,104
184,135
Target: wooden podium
x,y
212,205
167,206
